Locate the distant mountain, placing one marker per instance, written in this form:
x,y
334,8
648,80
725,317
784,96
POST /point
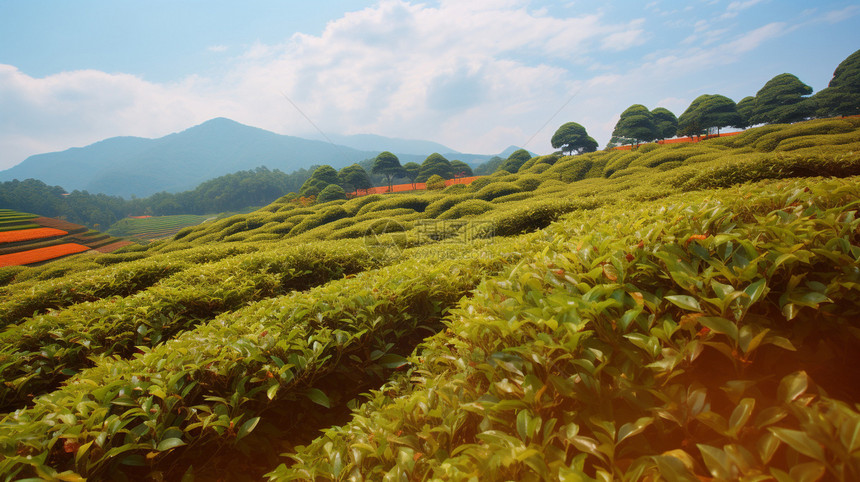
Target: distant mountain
x,y
372,142
510,150
411,150
127,166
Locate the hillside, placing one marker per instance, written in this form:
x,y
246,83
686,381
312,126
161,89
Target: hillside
x,y
679,311
28,239
126,166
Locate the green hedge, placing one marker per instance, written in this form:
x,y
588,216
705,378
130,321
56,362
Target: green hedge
x,y
497,189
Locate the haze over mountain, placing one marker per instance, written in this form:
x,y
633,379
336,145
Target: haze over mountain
x,y
127,166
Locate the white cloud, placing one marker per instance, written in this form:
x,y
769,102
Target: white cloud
x,y
840,15
736,7
463,73
217,48
76,108
754,38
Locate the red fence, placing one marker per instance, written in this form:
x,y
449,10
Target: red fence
x,y
682,140
410,187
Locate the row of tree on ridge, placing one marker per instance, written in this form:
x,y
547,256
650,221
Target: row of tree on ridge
x,y
783,99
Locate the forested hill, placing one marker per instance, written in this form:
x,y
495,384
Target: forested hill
x,y
231,192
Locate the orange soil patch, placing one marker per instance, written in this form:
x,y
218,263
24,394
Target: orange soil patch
x,y
30,234
108,248
681,140
41,254
411,187
139,217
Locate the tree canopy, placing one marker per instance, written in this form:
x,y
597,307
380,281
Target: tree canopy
x,y
666,122
782,100
387,165
746,109
572,137
636,124
411,170
461,169
709,111
231,192
354,177
842,94
321,177
516,160
489,167
435,164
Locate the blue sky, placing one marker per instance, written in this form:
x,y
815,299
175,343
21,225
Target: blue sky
x,y
474,75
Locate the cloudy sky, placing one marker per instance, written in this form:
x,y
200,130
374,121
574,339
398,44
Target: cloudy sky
x,y
476,75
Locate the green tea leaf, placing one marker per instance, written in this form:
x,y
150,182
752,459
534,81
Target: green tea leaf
x,y
808,472
686,302
792,386
272,391
755,291
633,428
317,396
391,360
740,415
720,325
247,427
800,441
717,461
169,443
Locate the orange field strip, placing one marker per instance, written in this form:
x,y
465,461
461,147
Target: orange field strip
x,y
411,187
681,140
40,254
30,234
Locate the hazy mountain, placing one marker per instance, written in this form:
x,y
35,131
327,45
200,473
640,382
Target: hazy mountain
x,y
510,150
373,142
127,166
132,165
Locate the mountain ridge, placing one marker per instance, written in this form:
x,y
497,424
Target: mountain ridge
x,y
135,166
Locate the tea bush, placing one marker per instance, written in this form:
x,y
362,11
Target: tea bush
x,y
709,334
283,353
497,189
657,342
471,207
117,324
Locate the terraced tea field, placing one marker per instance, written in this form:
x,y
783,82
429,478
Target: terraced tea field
x,y
151,228
682,312
27,239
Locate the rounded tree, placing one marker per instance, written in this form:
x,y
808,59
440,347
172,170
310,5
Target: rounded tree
x,y
636,124
842,94
411,170
666,122
435,164
709,111
321,177
746,108
354,177
782,100
516,160
461,169
489,167
572,137
387,165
